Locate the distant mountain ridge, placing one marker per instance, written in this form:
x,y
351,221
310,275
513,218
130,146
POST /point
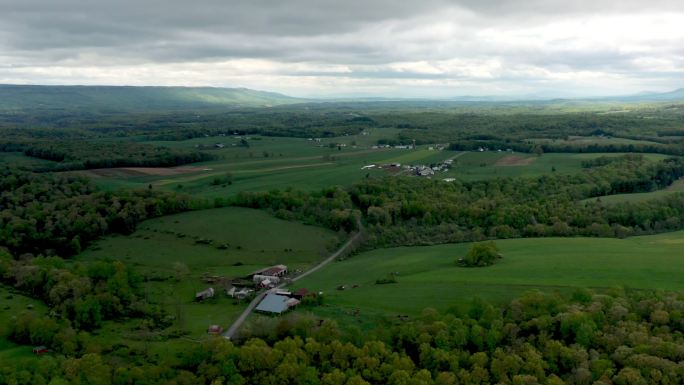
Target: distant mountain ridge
x,y
160,98
22,97
677,94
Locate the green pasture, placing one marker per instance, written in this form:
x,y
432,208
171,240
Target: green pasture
x,y
229,240
676,187
429,276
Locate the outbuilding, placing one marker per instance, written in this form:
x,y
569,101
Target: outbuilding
x,y
273,303
206,294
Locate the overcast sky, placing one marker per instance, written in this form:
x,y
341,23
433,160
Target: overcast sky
x,y
405,48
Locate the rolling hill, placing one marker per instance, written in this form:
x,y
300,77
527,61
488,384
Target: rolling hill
x,y
112,98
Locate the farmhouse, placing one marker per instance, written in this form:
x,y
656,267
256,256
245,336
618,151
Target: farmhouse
x,y
276,304
261,280
206,294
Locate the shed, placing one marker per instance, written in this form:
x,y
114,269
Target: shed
x,y
206,294
40,350
273,303
242,294
303,292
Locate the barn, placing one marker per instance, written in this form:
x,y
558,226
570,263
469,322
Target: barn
x,y
276,304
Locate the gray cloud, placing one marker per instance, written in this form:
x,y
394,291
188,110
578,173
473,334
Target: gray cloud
x,y
418,47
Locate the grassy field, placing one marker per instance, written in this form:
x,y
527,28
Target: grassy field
x,y
12,304
216,241
428,276
274,162
230,242
18,159
268,163
676,187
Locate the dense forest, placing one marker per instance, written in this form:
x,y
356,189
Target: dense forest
x,y
615,337
58,214
414,211
80,297
83,154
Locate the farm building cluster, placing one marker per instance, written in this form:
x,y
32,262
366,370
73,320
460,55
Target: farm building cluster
x,y
398,146
417,170
275,301
244,287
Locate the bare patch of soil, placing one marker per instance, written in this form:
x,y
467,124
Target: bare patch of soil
x,y
514,160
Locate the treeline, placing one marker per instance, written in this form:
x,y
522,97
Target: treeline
x,y
440,127
546,147
278,121
73,154
297,124
605,160
58,214
331,207
613,338
410,211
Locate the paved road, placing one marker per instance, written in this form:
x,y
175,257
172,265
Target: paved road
x,y
252,305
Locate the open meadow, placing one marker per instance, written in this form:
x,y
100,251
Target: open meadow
x,y
429,277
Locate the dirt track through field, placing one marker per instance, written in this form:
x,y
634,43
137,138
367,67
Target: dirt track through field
x,y
128,172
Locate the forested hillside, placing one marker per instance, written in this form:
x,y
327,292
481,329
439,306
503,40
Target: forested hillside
x,y
113,99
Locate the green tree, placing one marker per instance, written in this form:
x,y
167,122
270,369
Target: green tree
x,y
481,254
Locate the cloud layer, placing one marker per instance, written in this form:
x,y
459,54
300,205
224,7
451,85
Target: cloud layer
x,y
425,48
